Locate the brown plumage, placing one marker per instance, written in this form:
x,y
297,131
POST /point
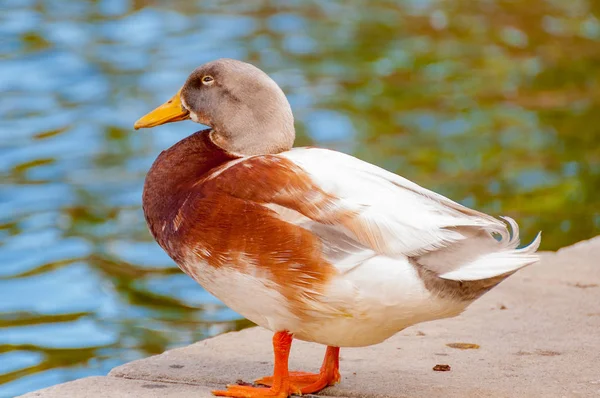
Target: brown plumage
x,y
222,221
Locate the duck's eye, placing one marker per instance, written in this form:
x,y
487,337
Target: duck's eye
x,y
207,80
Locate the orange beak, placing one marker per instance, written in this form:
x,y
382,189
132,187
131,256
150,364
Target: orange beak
x,y
170,111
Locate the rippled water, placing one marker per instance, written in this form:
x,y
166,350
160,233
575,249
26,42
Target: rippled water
x,y
493,103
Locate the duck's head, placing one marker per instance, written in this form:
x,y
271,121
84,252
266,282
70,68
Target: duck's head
x,y
247,111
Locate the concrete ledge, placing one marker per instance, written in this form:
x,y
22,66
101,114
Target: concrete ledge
x,y
538,335
117,387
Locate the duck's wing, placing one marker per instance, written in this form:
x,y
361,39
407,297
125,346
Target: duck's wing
x,y
360,210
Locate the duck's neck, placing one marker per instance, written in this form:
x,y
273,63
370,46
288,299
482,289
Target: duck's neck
x,y
173,175
251,131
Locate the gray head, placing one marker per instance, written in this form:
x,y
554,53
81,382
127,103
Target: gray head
x,y
246,110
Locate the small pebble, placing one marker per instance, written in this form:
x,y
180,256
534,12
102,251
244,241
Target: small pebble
x,y
441,368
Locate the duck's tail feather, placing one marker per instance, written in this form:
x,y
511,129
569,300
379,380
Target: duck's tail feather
x,y
506,260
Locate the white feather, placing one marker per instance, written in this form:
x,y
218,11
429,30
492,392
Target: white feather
x,y
506,259
410,221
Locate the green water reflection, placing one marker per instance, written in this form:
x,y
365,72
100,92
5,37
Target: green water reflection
x,y
493,103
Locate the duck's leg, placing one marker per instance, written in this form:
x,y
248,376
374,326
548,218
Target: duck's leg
x,y
281,386
309,383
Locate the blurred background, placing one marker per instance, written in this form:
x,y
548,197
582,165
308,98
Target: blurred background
x,y
494,103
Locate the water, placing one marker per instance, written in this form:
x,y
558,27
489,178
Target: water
x,y
492,103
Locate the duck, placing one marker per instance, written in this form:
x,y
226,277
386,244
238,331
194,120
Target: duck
x,y
310,243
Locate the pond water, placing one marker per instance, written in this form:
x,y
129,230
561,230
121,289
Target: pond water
x,y
493,103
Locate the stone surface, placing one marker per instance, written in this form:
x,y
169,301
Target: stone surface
x,y
538,335
118,387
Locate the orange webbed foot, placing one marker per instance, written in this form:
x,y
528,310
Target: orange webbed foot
x,y
304,382
281,388
284,383
255,392
309,383
298,379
